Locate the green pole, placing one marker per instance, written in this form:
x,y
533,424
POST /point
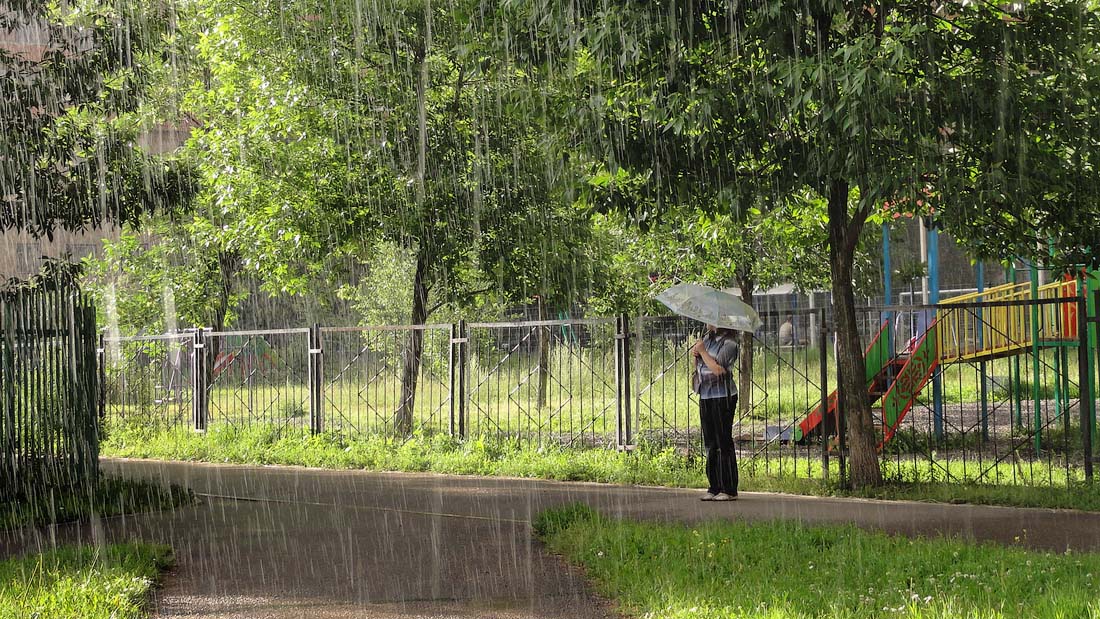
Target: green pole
x,y
1014,367
984,387
1059,366
1063,379
1017,395
1092,295
1038,421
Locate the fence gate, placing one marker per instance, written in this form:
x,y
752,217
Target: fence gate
x,y
549,381
148,380
253,377
369,377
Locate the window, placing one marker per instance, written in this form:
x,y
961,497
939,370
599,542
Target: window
x,y
79,251
28,258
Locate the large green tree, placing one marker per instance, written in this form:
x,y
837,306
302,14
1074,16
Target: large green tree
x,y
1021,173
720,103
883,101
329,130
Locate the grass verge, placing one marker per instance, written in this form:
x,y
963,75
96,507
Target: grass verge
x,y
647,466
783,570
110,496
86,583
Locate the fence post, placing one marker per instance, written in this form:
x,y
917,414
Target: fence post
x,y
1086,401
457,382
91,371
101,368
841,424
198,381
627,375
1094,356
452,367
316,367
90,363
617,353
624,434
8,478
823,378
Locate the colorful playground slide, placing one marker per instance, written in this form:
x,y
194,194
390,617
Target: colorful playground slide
x,y
910,379
897,380
877,356
954,335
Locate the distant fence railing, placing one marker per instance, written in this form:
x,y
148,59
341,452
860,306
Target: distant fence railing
x,y
48,391
622,383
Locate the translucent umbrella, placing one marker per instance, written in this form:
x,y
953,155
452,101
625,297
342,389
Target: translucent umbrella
x,y
711,306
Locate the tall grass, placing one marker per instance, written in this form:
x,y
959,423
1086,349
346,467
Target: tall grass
x,y
112,582
110,496
782,570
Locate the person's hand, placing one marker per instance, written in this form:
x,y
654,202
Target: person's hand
x,y
697,348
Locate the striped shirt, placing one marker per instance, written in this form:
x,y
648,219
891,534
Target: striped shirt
x,y
724,349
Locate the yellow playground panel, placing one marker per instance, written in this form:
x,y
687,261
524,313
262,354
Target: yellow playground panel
x,y
968,333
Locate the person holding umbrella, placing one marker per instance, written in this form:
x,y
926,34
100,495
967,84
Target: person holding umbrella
x,y
714,356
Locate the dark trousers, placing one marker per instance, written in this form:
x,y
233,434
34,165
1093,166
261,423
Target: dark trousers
x,y
716,420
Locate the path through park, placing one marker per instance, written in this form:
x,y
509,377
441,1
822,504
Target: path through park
x,y
285,542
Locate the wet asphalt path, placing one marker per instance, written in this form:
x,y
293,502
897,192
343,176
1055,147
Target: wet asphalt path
x,y
287,542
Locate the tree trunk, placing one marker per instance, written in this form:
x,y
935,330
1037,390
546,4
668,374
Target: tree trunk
x,y
744,381
414,347
228,266
843,237
410,371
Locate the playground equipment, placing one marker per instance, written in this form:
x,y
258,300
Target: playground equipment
x,y
976,327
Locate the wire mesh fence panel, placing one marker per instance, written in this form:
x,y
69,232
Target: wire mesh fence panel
x,y
374,383
257,378
147,381
777,376
986,393
780,388
543,382
666,408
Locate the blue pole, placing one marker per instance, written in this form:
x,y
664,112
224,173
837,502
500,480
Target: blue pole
x,y
934,298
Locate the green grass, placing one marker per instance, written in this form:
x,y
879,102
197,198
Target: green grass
x,y
787,571
111,496
442,454
1036,485
112,582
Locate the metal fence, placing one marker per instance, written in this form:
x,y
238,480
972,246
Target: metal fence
x,y
1009,400
48,392
362,391
1013,412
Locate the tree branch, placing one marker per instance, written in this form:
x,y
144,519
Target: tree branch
x,y
464,297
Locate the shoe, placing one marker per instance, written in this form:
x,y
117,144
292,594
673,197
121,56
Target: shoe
x,y
722,496
710,496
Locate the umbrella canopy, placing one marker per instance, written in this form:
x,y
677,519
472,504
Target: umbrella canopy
x,y
711,306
